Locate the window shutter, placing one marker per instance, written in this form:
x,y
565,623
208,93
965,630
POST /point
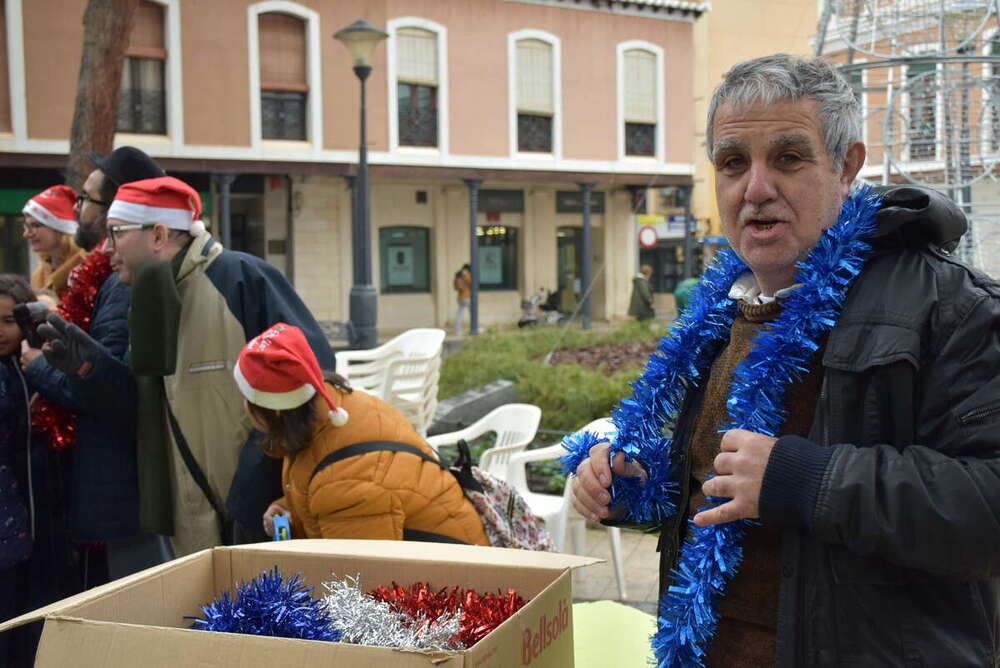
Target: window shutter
x,y
282,46
640,86
534,77
416,56
146,39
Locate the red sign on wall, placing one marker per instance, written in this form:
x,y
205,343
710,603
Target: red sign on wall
x,y
648,238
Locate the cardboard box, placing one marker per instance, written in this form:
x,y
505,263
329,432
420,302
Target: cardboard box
x,y
139,620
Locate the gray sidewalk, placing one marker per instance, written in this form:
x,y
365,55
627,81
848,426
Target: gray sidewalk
x,y
642,564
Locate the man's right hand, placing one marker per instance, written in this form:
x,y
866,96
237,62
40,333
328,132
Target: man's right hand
x,y
591,496
70,349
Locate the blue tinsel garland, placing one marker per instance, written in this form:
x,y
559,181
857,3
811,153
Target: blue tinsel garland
x,y
780,354
269,605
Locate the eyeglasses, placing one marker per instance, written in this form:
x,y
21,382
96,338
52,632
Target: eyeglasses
x,y
82,198
115,231
31,227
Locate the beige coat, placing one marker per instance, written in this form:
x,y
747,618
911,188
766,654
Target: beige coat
x,y
50,277
205,400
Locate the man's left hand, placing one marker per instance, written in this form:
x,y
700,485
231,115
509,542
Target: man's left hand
x,y
28,354
740,474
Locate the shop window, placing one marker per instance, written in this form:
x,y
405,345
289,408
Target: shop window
x,y
13,249
405,258
497,257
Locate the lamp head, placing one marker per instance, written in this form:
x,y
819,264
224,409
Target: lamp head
x,y
361,38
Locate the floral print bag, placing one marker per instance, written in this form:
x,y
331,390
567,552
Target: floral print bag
x,y
506,517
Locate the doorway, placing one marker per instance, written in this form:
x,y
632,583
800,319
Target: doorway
x,y
667,260
569,263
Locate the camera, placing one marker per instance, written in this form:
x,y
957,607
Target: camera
x,y
28,317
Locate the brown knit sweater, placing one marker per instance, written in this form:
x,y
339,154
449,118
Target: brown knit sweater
x,y
749,611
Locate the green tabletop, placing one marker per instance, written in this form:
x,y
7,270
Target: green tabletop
x,y
608,633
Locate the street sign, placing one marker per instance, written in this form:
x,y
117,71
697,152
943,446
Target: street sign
x,y
648,237
676,222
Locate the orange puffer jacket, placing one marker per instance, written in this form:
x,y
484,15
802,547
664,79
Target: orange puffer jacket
x,y
378,494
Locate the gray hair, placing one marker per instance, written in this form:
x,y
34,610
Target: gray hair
x,y
780,77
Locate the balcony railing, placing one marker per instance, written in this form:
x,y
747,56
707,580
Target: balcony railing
x,y
418,126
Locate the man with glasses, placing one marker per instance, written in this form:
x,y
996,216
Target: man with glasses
x,y
103,499
194,307
125,165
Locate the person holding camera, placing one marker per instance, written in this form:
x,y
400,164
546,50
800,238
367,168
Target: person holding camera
x,y
102,509
15,435
49,226
36,563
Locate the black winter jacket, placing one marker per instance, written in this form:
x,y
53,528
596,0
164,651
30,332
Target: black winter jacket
x,y
104,492
15,446
891,507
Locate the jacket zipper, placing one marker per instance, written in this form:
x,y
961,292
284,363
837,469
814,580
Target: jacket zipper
x,y
684,459
979,414
801,634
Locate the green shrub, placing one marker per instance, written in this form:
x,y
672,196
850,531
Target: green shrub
x,y
569,395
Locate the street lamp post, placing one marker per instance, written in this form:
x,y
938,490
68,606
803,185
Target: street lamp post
x,y
361,38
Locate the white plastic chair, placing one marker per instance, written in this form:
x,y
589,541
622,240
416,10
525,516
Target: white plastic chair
x,y
404,372
557,511
515,426
411,385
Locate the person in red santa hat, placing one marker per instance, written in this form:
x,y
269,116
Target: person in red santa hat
x,y
151,221
202,479
354,467
49,226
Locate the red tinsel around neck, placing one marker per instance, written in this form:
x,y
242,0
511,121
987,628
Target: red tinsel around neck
x,y
77,307
481,613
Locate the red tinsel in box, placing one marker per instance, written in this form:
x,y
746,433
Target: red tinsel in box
x,y
481,613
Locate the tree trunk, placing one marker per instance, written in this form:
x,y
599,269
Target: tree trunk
x,y
107,25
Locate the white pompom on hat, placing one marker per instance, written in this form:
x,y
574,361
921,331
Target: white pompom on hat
x,y
278,370
54,207
165,200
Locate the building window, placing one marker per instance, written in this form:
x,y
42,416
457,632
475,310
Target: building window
x,y
5,113
406,260
640,103
534,133
142,101
284,88
922,125
497,257
417,86
640,139
993,93
857,82
535,106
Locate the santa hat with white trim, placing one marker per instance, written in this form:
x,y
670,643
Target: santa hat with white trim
x,y
165,200
54,207
278,370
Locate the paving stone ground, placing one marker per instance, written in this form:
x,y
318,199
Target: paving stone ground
x,y
642,563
